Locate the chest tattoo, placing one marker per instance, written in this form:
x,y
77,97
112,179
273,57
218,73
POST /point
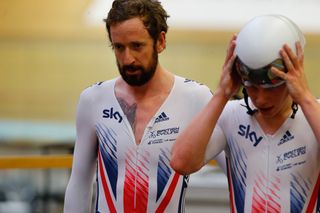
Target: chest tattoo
x,y
129,111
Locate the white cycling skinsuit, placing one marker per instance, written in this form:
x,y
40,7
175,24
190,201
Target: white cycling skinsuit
x,y
269,173
131,177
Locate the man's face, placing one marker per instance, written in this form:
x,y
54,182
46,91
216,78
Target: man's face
x,y
142,75
135,51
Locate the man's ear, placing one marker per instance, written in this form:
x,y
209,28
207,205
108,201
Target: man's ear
x,y
161,43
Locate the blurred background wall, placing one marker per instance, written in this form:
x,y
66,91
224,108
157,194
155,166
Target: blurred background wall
x,y
51,50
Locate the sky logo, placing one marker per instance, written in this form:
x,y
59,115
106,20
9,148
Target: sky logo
x,y
251,135
162,117
109,113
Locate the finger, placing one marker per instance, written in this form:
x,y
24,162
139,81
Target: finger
x,y
291,55
232,60
300,53
229,65
285,57
231,47
279,73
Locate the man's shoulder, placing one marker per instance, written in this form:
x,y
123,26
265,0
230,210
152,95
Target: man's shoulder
x,y
96,91
190,85
101,86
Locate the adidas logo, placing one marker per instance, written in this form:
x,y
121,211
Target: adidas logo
x,y
285,138
162,117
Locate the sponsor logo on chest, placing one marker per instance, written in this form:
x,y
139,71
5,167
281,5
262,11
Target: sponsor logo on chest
x,y
162,117
286,137
162,132
111,114
249,134
163,135
291,158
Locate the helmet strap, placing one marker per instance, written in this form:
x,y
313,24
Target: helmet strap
x,y
294,108
246,100
250,111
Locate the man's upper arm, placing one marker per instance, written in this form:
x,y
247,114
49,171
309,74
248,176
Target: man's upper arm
x,y
78,193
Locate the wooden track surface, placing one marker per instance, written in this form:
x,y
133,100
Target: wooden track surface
x,y
42,161
36,161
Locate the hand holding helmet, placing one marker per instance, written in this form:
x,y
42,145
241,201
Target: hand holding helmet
x,y
229,82
268,56
294,77
258,49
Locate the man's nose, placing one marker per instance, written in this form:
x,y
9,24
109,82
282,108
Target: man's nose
x,y
128,57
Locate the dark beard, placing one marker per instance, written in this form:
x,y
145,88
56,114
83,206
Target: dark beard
x,y
145,75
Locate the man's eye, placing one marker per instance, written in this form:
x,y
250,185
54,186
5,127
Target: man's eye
x,y
136,46
117,47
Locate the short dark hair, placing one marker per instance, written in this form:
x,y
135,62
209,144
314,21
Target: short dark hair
x,y
151,12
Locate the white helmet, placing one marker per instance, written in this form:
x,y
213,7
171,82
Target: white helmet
x,y
258,44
